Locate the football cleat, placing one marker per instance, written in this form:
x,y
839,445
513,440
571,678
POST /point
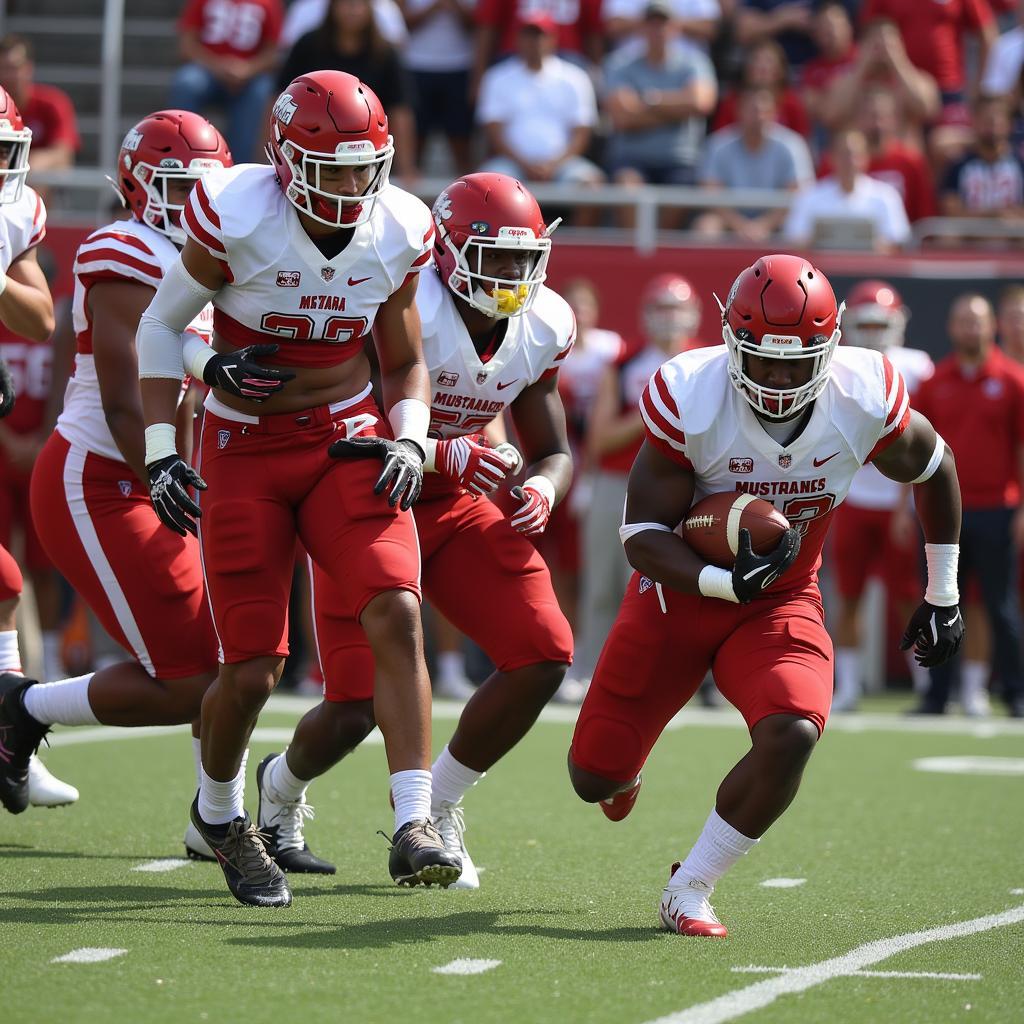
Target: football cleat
x,y
20,736
454,688
451,825
418,854
281,824
196,847
618,805
252,876
685,909
45,789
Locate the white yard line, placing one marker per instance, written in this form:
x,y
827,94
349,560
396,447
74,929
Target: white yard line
x,y
973,765
783,883
167,864
88,955
466,966
941,976
800,979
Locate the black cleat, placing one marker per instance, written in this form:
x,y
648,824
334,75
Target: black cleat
x,y
418,854
281,825
253,878
20,736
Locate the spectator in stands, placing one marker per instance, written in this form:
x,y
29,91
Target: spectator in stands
x,y
657,101
538,111
349,40
756,153
579,33
698,21
849,194
230,50
933,32
882,60
891,159
765,64
1010,319
976,402
45,109
1002,74
439,55
305,15
989,180
790,23
835,53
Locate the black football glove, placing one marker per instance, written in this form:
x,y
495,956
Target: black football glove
x,y
168,479
934,633
6,390
240,375
751,574
403,465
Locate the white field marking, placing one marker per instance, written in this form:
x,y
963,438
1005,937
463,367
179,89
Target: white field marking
x,y
106,733
466,966
88,955
763,993
167,864
940,976
1017,892
783,883
971,765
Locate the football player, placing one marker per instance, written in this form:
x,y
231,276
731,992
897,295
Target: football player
x,y
89,502
494,337
875,532
26,309
300,259
780,413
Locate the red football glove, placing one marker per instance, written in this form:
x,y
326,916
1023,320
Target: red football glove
x,y
533,514
469,461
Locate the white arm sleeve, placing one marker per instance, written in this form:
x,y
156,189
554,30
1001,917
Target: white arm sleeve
x,y
178,301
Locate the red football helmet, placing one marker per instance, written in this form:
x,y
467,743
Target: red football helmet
x,y
875,316
670,309
168,146
15,140
781,308
329,119
481,212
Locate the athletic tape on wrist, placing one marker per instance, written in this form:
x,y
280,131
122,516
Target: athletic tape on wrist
x,y
934,462
161,441
715,582
196,354
430,455
943,561
542,485
410,420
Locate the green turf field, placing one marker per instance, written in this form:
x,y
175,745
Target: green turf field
x,y
567,904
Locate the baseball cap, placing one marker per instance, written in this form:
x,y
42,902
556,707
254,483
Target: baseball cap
x,y
539,19
658,9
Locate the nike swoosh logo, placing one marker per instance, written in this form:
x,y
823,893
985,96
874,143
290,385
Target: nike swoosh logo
x,y
754,572
821,462
501,387
352,281
952,620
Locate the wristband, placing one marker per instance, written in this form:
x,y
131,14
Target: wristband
x,y
161,441
510,456
628,530
942,559
196,354
715,582
542,485
934,462
410,420
430,455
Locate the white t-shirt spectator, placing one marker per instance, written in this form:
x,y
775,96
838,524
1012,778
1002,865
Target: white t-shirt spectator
x,y
305,15
1005,60
441,43
539,109
870,200
685,10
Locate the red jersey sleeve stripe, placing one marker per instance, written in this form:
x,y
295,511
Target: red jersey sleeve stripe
x,y
658,425
665,396
669,452
120,236
423,258
192,225
428,238
887,439
898,406
206,204
112,259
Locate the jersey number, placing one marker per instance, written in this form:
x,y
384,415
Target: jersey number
x,y
299,327
467,423
801,511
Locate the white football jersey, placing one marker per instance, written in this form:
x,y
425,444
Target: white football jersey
x,y
281,288
694,415
22,225
581,374
869,488
126,250
467,393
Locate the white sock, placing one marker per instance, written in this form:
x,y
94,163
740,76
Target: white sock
x,y
221,802
847,674
411,793
283,783
451,665
717,849
53,661
973,680
197,758
920,677
451,779
10,657
62,703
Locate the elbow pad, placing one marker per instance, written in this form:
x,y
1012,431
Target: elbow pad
x,y
178,301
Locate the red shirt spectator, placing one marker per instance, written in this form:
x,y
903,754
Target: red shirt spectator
x,y
818,72
981,418
239,28
51,116
578,21
932,31
792,112
904,168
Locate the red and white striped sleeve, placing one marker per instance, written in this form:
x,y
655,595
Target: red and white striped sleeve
x,y
662,422
111,254
201,222
38,232
897,409
423,258
563,350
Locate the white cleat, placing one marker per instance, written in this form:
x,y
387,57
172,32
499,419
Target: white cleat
x,y
685,909
454,688
46,790
572,690
196,847
452,826
976,705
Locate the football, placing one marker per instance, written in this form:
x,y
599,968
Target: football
x,y
712,526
